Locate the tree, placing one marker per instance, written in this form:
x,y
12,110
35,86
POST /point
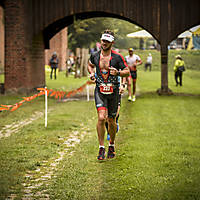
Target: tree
x,y
85,33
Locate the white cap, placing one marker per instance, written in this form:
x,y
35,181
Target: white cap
x,y
108,37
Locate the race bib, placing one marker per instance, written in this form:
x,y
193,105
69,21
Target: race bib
x,y
106,88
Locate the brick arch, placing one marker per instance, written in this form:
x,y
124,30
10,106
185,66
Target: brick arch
x,y
58,25
29,24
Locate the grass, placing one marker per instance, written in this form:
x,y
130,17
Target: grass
x,y
157,155
64,83
191,59
157,145
151,81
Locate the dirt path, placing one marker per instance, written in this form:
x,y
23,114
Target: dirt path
x,y
7,130
35,180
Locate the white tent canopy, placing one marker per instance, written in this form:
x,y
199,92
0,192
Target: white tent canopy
x,y
145,34
140,34
189,32
193,29
185,34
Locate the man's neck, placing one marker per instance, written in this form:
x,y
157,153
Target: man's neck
x,y
106,52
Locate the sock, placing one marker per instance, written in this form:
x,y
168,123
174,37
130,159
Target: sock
x,y
111,145
101,146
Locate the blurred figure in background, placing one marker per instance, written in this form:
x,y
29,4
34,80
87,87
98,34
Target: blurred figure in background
x,y
53,62
148,62
179,68
133,61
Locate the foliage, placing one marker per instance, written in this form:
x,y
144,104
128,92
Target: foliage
x,y
85,33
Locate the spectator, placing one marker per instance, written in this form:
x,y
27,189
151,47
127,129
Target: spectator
x,y
53,62
148,62
179,68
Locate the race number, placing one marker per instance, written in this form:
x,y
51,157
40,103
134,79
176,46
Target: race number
x,y
106,88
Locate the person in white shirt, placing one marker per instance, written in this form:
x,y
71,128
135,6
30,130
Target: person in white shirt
x,y
133,61
148,62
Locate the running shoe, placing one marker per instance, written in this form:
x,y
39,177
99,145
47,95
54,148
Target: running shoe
x,y
108,136
129,98
134,98
101,155
111,152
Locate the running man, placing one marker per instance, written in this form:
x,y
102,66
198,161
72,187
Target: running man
x,y
133,61
108,64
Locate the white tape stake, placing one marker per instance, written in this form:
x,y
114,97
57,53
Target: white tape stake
x,y
45,106
88,92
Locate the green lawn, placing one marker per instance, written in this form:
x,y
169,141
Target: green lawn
x,y
157,146
157,152
151,81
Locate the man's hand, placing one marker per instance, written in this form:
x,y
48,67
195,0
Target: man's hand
x,y
121,89
92,76
113,71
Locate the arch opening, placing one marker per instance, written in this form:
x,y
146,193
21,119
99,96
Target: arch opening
x,y
58,25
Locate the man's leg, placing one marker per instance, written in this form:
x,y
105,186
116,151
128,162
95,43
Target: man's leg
x,y
112,128
176,78
117,118
101,126
101,132
55,73
134,89
51,73
145,67
129,87
113,108
180,78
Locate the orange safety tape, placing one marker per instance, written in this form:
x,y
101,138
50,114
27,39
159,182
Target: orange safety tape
x,y
57,94
7,106
4,108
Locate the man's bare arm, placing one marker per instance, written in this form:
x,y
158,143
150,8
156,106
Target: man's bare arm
x,y
91,70
123,73
139,62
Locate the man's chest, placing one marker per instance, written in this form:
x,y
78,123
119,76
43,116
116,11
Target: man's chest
x,y
104,62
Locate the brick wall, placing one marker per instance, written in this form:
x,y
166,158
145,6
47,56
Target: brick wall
x,y
24,54
1,39
58,44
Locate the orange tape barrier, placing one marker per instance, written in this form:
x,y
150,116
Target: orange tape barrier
x,y
50,92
